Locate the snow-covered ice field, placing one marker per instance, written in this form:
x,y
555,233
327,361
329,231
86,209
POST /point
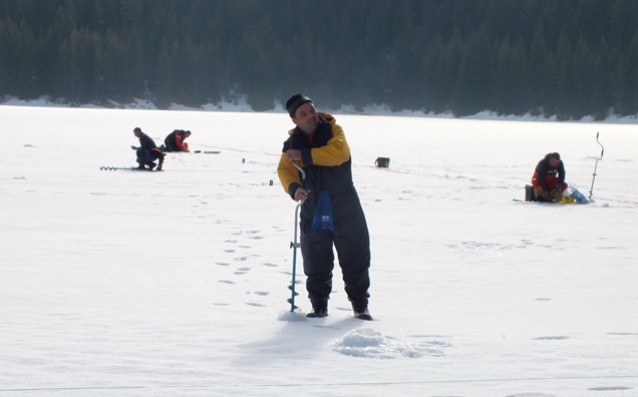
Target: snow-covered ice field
x,y
174,283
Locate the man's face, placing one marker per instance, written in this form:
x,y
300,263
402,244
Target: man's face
x,y
306,118
137,133
553,162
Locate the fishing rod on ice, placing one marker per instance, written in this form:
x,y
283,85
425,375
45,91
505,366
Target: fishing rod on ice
x,y
602,151
294,244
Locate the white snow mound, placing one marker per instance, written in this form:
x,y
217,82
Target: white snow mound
x,y
369,343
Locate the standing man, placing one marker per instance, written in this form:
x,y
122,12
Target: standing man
x,y
331,213
147,151
548,180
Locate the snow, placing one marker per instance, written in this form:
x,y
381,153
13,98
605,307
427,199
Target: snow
x,y
174,283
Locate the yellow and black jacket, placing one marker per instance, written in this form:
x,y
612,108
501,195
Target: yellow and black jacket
x,y
325,160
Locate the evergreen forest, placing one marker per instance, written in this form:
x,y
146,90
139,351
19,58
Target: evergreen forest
x,y
562,58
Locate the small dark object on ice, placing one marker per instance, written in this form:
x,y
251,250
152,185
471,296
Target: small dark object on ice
x,y
207,151
382,162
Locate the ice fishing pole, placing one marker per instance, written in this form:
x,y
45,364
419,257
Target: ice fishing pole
x,y
294,244
602,151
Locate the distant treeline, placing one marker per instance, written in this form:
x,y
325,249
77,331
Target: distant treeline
x,y
567,58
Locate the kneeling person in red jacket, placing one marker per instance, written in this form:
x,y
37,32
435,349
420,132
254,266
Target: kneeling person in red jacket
x,y
174,141
548,180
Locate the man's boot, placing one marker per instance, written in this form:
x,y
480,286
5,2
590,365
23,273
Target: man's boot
x,y
319,309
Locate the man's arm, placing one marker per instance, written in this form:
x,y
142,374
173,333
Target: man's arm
x,y
288,176
561,173
179,141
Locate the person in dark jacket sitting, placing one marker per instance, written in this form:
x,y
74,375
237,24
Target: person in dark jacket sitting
x,y
548,180
331,212
174,141
147,152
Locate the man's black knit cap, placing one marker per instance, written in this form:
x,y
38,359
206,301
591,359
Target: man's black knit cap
x,y
293,103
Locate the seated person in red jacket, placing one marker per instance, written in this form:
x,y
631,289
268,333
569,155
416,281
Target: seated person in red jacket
x,y
548,180
174,142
